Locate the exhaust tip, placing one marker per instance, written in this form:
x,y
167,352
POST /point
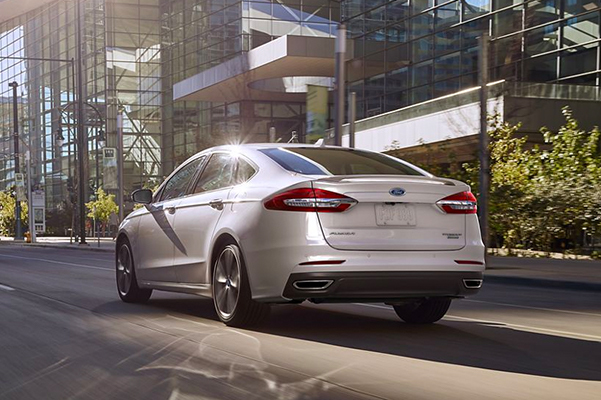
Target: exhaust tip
x,y
314,284
472,283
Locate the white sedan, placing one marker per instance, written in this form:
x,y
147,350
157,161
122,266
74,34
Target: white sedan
x,y
256,224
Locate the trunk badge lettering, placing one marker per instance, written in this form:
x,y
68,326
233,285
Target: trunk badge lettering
x,y
397,191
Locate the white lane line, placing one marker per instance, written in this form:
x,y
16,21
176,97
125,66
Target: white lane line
x,y
8,288
507,325
526,328
56,262
532,308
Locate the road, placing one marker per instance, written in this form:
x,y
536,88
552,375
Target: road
x,y
65,334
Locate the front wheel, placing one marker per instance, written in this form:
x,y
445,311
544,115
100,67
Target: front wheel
x,y
426,311
127,285
231,290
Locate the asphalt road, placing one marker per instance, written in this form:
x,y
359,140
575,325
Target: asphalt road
x,y
65,334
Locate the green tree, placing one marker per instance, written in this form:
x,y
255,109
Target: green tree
x,y
541,196
102,207
7,213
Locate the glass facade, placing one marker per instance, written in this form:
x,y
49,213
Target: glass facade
x,y
408,51
200,34
46,96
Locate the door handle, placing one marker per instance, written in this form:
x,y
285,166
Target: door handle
x,y
170,210
217,204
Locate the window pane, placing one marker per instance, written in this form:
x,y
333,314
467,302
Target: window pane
x,y
244,172
581,30
541,69
542,11
541,40
316,161
217,174
475,8
578,60
177,185
507,21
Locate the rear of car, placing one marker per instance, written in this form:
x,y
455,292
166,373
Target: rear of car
x,y
368,227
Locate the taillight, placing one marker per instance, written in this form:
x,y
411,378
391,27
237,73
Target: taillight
x,y
307,199
459,203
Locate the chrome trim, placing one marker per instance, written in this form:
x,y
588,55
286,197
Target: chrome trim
x,y
472,283
325,283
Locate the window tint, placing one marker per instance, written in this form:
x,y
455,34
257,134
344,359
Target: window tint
x,y
325,161
217,174
244,172
177,185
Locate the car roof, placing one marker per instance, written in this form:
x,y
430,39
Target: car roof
x,y
260,146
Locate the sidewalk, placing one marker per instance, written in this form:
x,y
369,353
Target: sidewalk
x,y
539,272
544,272
106,244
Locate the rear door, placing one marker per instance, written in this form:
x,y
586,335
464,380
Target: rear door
x,y
156,236
393,213
199,213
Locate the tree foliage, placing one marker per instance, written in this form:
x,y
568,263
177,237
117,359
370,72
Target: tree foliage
x,y
541,197
7,213
102,207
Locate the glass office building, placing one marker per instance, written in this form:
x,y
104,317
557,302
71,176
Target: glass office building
x,y
135,51
409,51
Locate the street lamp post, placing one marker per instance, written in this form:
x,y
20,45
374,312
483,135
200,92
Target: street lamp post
x,y
60,140
340,84
120,163
18,230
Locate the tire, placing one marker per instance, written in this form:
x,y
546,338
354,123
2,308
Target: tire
x,y
426,311
127,284
231,290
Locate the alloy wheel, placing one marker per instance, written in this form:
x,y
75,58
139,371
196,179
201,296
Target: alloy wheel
x,y
226,284
124,270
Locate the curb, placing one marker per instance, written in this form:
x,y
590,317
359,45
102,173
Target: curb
x,y
69,247
542,283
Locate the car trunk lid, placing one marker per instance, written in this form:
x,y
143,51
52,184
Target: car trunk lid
x,y
393,213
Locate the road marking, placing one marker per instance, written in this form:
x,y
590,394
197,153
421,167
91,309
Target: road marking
x,y
533,308
56,262
4,287
502,324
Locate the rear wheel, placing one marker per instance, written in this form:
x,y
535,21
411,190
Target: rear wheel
x,y
231,290
127,285
426,311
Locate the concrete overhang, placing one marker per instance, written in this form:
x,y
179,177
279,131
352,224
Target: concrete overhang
x,y
239,78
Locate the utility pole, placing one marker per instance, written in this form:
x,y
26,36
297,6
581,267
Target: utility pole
x,y
120,163
81,131
18,230
340,83
352,116
484,140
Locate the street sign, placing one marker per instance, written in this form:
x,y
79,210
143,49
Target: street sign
x,y
38,202
39,219
38,198
20,187
109,163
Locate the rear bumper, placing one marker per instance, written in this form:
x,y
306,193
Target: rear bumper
x,y
384,286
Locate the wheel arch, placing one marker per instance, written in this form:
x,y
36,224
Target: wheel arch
x,y
223,239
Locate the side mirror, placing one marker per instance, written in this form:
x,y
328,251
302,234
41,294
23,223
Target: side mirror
x,y
142,196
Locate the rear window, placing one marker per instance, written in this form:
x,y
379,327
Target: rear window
x,y
325,161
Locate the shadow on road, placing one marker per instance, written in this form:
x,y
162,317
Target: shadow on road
x,y
473,344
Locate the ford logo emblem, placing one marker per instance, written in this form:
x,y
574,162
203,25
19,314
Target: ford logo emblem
x,y
397,191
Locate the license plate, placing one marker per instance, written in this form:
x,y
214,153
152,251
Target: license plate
x,y
395,215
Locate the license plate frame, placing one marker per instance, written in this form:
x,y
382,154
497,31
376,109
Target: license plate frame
x,y
397,215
